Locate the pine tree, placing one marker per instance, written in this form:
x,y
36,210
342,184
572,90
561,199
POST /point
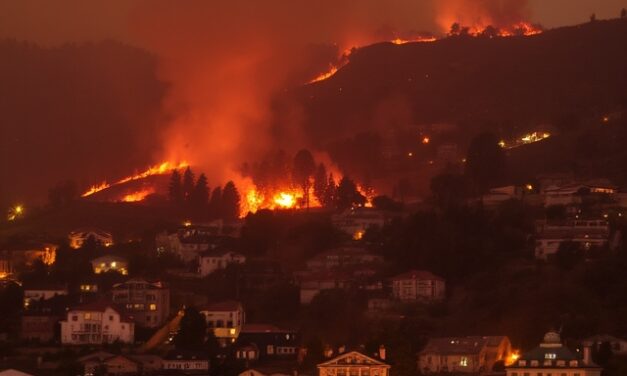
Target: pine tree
x,y
215,204
188,184
175,190
230,202
200,195
330,193
320,183
348,195
304,167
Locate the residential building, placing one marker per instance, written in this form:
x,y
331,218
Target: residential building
x,y
343,257
553,358
267,342
588,233
21,256
211,260
312,283
225,319
463,354
148,302
573,192
356,221
353,363
187,362
37,292
6,266
110,263
618,345
418,285
78,237
38,327
109,363
273,369
96,323
188,242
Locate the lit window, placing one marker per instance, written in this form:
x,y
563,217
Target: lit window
x,y
153,307
550,356
88,316
114,264
463,362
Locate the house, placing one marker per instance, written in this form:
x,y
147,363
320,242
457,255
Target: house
x,y
418,285
553,358
38,327
353,363
110,263
588,233
78,237
343,257
312,283
573,192
225,319
266,342
463,354
187,362
211,260
497,196
273,369
17,257
96,323
36,292
6,266
188,242
110,363
149,364
356,221
618,345
148,302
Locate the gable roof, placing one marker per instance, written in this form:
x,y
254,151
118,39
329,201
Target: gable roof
x,y
461,345
353,359
13,372
225,306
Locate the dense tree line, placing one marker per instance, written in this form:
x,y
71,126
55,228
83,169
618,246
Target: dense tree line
x,y
196,200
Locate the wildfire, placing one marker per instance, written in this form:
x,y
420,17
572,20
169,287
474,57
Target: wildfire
x,y
414,40
138,196
323,76
159,169
512,358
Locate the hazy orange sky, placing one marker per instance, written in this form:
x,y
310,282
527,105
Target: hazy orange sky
x,y
59,21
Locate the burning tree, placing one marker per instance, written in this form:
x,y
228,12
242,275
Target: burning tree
x,y
304,167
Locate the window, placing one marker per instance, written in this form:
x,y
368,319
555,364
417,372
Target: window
x,y
270,350
153,307
550,356
88,316
110,317
463,362
74,318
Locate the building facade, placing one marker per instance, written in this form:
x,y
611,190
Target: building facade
x,y
463,354
210,261
553,358
353,363
95,324
225,319
147,302
418,285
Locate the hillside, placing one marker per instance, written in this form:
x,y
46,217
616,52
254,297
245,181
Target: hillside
x,y
509,85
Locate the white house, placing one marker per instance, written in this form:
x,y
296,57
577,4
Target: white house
x,y
78,237
357,220
110,263
212,260
225,319
418,285
95,324
354,363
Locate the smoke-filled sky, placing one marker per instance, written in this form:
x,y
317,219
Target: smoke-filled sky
x,y
224,60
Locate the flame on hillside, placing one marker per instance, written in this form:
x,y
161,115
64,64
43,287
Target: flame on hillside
x,y
476,30
138,196
160,169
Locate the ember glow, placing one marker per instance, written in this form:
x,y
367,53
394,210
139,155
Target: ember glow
x,y
160,169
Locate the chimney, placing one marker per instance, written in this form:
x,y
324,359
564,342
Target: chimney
x,y
328,352
382,352
587,354
341,349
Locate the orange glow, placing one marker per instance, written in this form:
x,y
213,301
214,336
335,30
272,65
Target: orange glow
x,y
323,76
159,169
512,358
426,140
414,40
138,196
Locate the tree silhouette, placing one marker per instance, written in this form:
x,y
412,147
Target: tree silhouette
x,y
623,13
593,17
320,183
230,202
455,29
192,330
188,184
348,195
304,167
485,162
330,193
200,195
175,190
448,189
215,203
